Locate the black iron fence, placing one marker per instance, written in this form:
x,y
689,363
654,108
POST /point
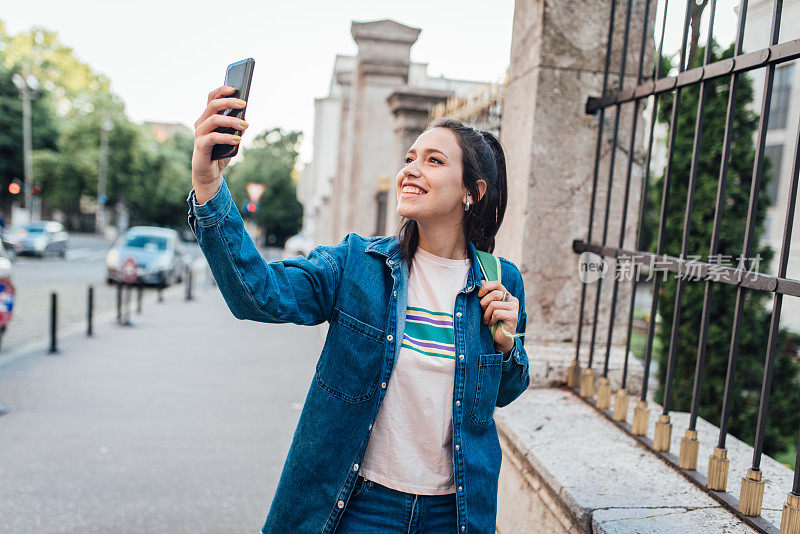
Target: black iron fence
x,y
657,87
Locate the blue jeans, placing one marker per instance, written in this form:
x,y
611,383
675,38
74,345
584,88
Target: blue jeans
x,y
376,509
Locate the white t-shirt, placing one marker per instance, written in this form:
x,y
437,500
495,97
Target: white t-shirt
x,y
410,446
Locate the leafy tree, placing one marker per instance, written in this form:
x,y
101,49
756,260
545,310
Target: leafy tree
x,y
270,161
783,419
158,197
71,81
150,176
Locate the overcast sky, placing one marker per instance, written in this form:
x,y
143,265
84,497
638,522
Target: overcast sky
x,y
163,57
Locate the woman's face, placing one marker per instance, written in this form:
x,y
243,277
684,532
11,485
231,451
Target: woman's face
x,y
433,164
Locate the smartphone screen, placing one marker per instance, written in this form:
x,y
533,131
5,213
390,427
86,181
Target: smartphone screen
x,y
238,76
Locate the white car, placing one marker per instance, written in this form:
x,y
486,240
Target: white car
x,y
5,263
41,238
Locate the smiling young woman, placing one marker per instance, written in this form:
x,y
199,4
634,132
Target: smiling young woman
x,y
397,431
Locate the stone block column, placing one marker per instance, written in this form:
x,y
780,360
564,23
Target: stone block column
x,y
409,107
558,52
384,49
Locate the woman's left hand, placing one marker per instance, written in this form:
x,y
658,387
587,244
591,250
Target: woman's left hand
x,y
496,309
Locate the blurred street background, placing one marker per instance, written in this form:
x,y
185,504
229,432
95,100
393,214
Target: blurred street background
x,y
178,418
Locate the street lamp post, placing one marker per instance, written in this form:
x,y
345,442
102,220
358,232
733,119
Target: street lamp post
x,y
28,87
102,198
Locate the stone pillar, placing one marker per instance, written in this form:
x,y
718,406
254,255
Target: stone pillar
x,y
409,107
384,50
558,52
339,201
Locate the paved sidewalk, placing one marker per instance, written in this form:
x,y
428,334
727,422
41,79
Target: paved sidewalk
x,y
178,424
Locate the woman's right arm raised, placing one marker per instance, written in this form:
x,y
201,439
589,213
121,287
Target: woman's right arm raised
x,y
298,290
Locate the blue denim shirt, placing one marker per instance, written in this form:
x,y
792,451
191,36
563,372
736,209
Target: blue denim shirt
x,y
360,288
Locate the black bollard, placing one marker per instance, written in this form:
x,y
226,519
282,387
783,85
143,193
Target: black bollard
x,y
89,311
126,306
189,283
119,302
3,409
139,291
53,314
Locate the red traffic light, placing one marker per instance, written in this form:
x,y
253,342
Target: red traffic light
x,y
14,188
251,207
36,189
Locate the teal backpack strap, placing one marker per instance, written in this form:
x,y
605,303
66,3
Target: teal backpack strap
x,y
490,267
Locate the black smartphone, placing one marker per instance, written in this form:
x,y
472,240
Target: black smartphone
x,y
238,76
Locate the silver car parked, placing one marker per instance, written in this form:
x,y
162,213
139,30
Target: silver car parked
x,y
41,238
158,252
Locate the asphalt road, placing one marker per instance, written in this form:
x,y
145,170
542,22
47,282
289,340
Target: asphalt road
x,y
35,278
178,424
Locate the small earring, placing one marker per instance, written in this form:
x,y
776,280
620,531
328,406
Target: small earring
x,y
466,208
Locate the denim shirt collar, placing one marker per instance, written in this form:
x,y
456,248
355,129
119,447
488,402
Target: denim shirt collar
x,y
389,246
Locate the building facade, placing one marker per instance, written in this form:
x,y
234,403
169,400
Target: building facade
x,y
378,102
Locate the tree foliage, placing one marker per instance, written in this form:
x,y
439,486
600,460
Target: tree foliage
x,y
151,177
270,160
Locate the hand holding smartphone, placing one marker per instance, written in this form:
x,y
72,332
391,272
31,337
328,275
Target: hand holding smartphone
x,y
238,76
217,132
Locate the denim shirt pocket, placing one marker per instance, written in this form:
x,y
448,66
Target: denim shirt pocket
x,y
350,363
487,387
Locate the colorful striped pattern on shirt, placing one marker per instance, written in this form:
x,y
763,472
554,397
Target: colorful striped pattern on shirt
x,y
429,332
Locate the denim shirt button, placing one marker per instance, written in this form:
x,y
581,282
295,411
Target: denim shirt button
x,y
458,403
458,314
394,293
370,426
463,527
340,504
355,467
458,446
383,385
460,356
389,337
460,488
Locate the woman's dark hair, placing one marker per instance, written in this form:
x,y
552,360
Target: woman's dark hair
x,y
482,159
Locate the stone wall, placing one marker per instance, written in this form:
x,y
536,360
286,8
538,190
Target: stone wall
x,y
568,469
557,60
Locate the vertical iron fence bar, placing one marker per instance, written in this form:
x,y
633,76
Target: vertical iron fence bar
x,y
752,485
752,489
663,430
790,508
717,478
673,131
776,309
687,219
717,226
645,179
628,169
594,178
750,225
789,218
588,390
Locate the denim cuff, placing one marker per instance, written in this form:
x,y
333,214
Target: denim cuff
x,y
513,356
214,209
